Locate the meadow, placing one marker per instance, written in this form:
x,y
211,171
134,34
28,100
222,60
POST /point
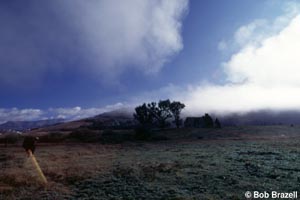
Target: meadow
x,y
190,164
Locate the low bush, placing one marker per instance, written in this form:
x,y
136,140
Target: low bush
x,y
143,133
159,137
110,136
85,135
53,137
11,138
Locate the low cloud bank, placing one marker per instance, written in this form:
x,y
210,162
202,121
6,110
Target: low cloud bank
x,y
263,74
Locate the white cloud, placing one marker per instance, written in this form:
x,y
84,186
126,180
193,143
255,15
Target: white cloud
x,y
100,37
275,63
143,34
263,74
15,114
240,98
248,33
253,33
80,113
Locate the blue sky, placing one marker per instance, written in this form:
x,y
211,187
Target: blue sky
x,y
75,59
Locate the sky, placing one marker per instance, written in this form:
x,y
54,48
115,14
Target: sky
x,y
73,59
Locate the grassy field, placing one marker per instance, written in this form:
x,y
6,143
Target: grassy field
x,y
206,164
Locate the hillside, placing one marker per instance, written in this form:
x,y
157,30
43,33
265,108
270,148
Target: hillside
x,y
25,125
102,121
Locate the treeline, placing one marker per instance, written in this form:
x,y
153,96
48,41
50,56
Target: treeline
x,y
165,112
160,114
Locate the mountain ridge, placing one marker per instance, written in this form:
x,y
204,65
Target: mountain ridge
x,y
26,125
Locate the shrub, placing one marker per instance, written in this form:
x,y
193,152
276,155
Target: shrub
x,y
53,137
11,138
109,136
159,137
143,133
85,135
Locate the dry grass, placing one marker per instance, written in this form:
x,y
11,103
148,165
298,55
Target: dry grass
x,y
209,168
62,165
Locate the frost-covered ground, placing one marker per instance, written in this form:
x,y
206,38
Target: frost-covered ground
x,y
220,168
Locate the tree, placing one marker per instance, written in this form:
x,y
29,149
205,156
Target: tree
x,y
143,115
175,109
158,113
163,112
217,123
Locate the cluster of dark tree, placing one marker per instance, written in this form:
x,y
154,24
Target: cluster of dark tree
x,y
159,114
205,121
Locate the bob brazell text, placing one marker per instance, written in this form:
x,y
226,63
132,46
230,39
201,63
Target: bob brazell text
x,y
273,195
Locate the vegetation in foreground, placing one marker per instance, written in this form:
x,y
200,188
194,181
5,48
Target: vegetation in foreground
x,y
206,168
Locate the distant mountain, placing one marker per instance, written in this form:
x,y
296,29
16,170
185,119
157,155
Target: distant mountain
x,y
25,125
122,118
117,119
124,113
